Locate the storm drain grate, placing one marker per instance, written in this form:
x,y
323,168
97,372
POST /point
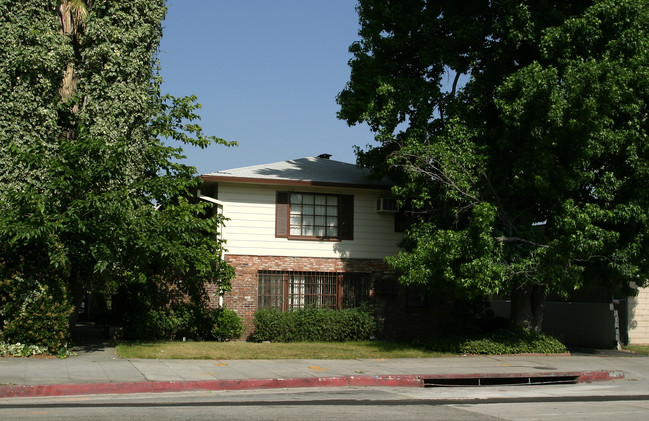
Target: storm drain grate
x,y
499,381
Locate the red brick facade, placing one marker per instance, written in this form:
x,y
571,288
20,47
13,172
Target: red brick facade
x,y
243,299
398,317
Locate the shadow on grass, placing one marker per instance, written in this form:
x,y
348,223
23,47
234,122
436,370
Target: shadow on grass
x,y
506,341
386,346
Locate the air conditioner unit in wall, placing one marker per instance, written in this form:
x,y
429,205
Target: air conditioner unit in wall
x,y
386,204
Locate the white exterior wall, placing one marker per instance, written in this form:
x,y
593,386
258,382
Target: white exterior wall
x,y
251,228
639,318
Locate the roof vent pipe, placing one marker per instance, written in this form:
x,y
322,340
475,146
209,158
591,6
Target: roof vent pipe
x,y
324,156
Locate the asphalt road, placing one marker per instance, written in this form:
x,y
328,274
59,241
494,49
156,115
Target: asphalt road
x,y
591,402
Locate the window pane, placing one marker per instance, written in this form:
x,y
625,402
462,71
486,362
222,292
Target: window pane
x,y
296,230
296,290
296,220
307,199
313,215
270,289
356,289
308,288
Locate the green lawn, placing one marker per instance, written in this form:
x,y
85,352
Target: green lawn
x,y
637,349
264,351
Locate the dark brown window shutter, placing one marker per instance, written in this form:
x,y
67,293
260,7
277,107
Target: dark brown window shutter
x,y
281,214
346,220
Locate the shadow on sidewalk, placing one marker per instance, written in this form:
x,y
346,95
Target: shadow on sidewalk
x,y
591,352
88,337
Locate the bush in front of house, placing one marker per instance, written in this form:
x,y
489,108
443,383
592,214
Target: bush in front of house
x,y
515,340
183,320
226,325
158,311
313,324
34,313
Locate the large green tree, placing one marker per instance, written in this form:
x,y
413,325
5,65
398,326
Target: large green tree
x,y
88,188
517,134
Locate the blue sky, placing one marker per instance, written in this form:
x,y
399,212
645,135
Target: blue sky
x,y
266,73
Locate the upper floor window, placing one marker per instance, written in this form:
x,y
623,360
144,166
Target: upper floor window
x,y
314,216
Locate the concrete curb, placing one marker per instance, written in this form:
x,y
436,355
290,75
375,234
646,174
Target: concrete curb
x,y
410,380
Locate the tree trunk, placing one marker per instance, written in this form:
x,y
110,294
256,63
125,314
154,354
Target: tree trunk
x,y
72,15
528,305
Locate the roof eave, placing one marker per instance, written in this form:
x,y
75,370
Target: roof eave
x,y
287,182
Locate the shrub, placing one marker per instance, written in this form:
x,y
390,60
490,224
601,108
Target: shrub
x,y
226,325
312,324
189,320
183,320
271,325
504,341
21,350
35,313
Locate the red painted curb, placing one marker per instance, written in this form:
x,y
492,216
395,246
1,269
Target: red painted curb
x,y
410,380
599,376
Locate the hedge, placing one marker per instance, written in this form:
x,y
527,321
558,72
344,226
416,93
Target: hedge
x,y
313,324
184,320
500,342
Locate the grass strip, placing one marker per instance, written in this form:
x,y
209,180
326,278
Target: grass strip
x,y
637,349
270,351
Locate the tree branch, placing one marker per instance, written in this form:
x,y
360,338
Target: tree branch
x,y
519,240
457,78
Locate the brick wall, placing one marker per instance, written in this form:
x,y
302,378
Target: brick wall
x,y
397,317
243,299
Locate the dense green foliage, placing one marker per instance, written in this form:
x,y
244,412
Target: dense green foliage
x,y
226,325
182,321
34,308
517,135
88,188
314,324
500,342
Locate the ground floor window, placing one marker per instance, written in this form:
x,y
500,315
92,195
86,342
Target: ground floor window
x,y
296,289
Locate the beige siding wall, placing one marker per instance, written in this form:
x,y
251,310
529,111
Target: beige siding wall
x,y
251,228
639,318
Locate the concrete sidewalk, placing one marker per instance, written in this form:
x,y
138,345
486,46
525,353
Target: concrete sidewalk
x,y
99,370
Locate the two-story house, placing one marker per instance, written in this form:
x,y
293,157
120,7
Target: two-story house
x,y
310,231
314,231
